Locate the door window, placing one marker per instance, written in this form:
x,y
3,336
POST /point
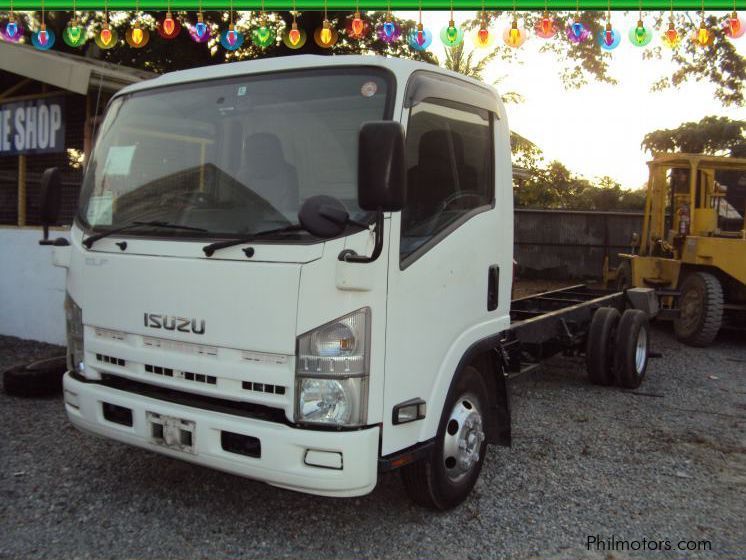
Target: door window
x,y
449,154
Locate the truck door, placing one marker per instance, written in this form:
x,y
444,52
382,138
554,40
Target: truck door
x,y
448,245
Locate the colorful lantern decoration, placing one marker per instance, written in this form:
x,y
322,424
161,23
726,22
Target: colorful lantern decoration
x,y
137,36
577,32
734,26
482,37
703,37
200,32
545,27
11,30
107,37
610,38
294,38
639,35
388,31
671,37
231,39
325,36
264,35
170,27
356,26
74,34
451,35
44,38
513,36
419,37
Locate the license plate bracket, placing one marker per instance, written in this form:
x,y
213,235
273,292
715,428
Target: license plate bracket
x,y
172,432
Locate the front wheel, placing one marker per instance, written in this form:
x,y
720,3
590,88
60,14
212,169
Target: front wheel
x,y
444,480
700,309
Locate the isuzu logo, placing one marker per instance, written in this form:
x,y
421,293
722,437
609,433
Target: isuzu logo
x,y
173,323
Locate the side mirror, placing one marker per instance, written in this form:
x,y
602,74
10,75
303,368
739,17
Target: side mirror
x,y
50,203
323,216
381,178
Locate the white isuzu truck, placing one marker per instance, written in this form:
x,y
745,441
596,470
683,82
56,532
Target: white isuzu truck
x,y
299,270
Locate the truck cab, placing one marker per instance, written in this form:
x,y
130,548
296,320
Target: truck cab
x,y
295,270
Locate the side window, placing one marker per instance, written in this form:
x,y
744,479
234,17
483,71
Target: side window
x,y
449,154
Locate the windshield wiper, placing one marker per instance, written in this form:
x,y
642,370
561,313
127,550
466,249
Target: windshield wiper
x,y
212,247
89,241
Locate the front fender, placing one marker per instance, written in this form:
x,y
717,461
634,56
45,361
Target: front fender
x,y
474,343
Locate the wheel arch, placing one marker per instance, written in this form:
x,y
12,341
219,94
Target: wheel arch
x,y
487,358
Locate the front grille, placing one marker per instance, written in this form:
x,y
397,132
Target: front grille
x,y
263,387
249,410
187,375
111,360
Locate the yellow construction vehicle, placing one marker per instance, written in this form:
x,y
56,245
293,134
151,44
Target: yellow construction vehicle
x,y
692,249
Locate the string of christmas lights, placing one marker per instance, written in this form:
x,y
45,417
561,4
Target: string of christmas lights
x,y
357,26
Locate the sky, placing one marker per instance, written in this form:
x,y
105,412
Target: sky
x,y
595,130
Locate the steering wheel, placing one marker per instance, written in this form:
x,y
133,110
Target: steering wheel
x,y
450,199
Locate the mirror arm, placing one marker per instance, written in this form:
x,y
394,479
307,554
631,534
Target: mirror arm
x,y
59,242
350,256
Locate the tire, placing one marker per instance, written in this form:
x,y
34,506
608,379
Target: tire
x,y
441,481
631,351
624,276
700,309
42,378
599,352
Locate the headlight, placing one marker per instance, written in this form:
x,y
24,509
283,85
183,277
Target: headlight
x,y
332,372
75,349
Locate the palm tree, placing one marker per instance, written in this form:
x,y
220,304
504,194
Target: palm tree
x,y
457,60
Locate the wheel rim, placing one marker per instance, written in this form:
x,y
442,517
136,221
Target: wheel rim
x,y
463,439
690,309
641,351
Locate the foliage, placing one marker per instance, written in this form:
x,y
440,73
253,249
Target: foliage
x,y
720,63
712,135
163,56
556,187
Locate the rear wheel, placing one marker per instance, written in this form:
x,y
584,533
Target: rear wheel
x,y
700,309
599,353
445,479
631,352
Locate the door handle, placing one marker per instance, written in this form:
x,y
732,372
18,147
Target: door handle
x,y
493,287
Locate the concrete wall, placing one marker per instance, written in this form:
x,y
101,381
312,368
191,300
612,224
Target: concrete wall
x,y
571,245
32,291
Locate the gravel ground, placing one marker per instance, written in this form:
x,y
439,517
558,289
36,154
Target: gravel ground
x,y
665,462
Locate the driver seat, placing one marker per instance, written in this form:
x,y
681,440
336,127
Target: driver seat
x,y
266,172
434,177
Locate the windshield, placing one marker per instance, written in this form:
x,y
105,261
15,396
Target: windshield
x,y
233,156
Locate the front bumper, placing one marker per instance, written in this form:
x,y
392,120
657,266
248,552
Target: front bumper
x,y
283,448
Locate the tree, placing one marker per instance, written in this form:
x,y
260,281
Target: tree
x,y
712,135
161,55
719,63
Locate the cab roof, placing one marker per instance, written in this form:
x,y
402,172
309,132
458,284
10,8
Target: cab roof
x,y
401,68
